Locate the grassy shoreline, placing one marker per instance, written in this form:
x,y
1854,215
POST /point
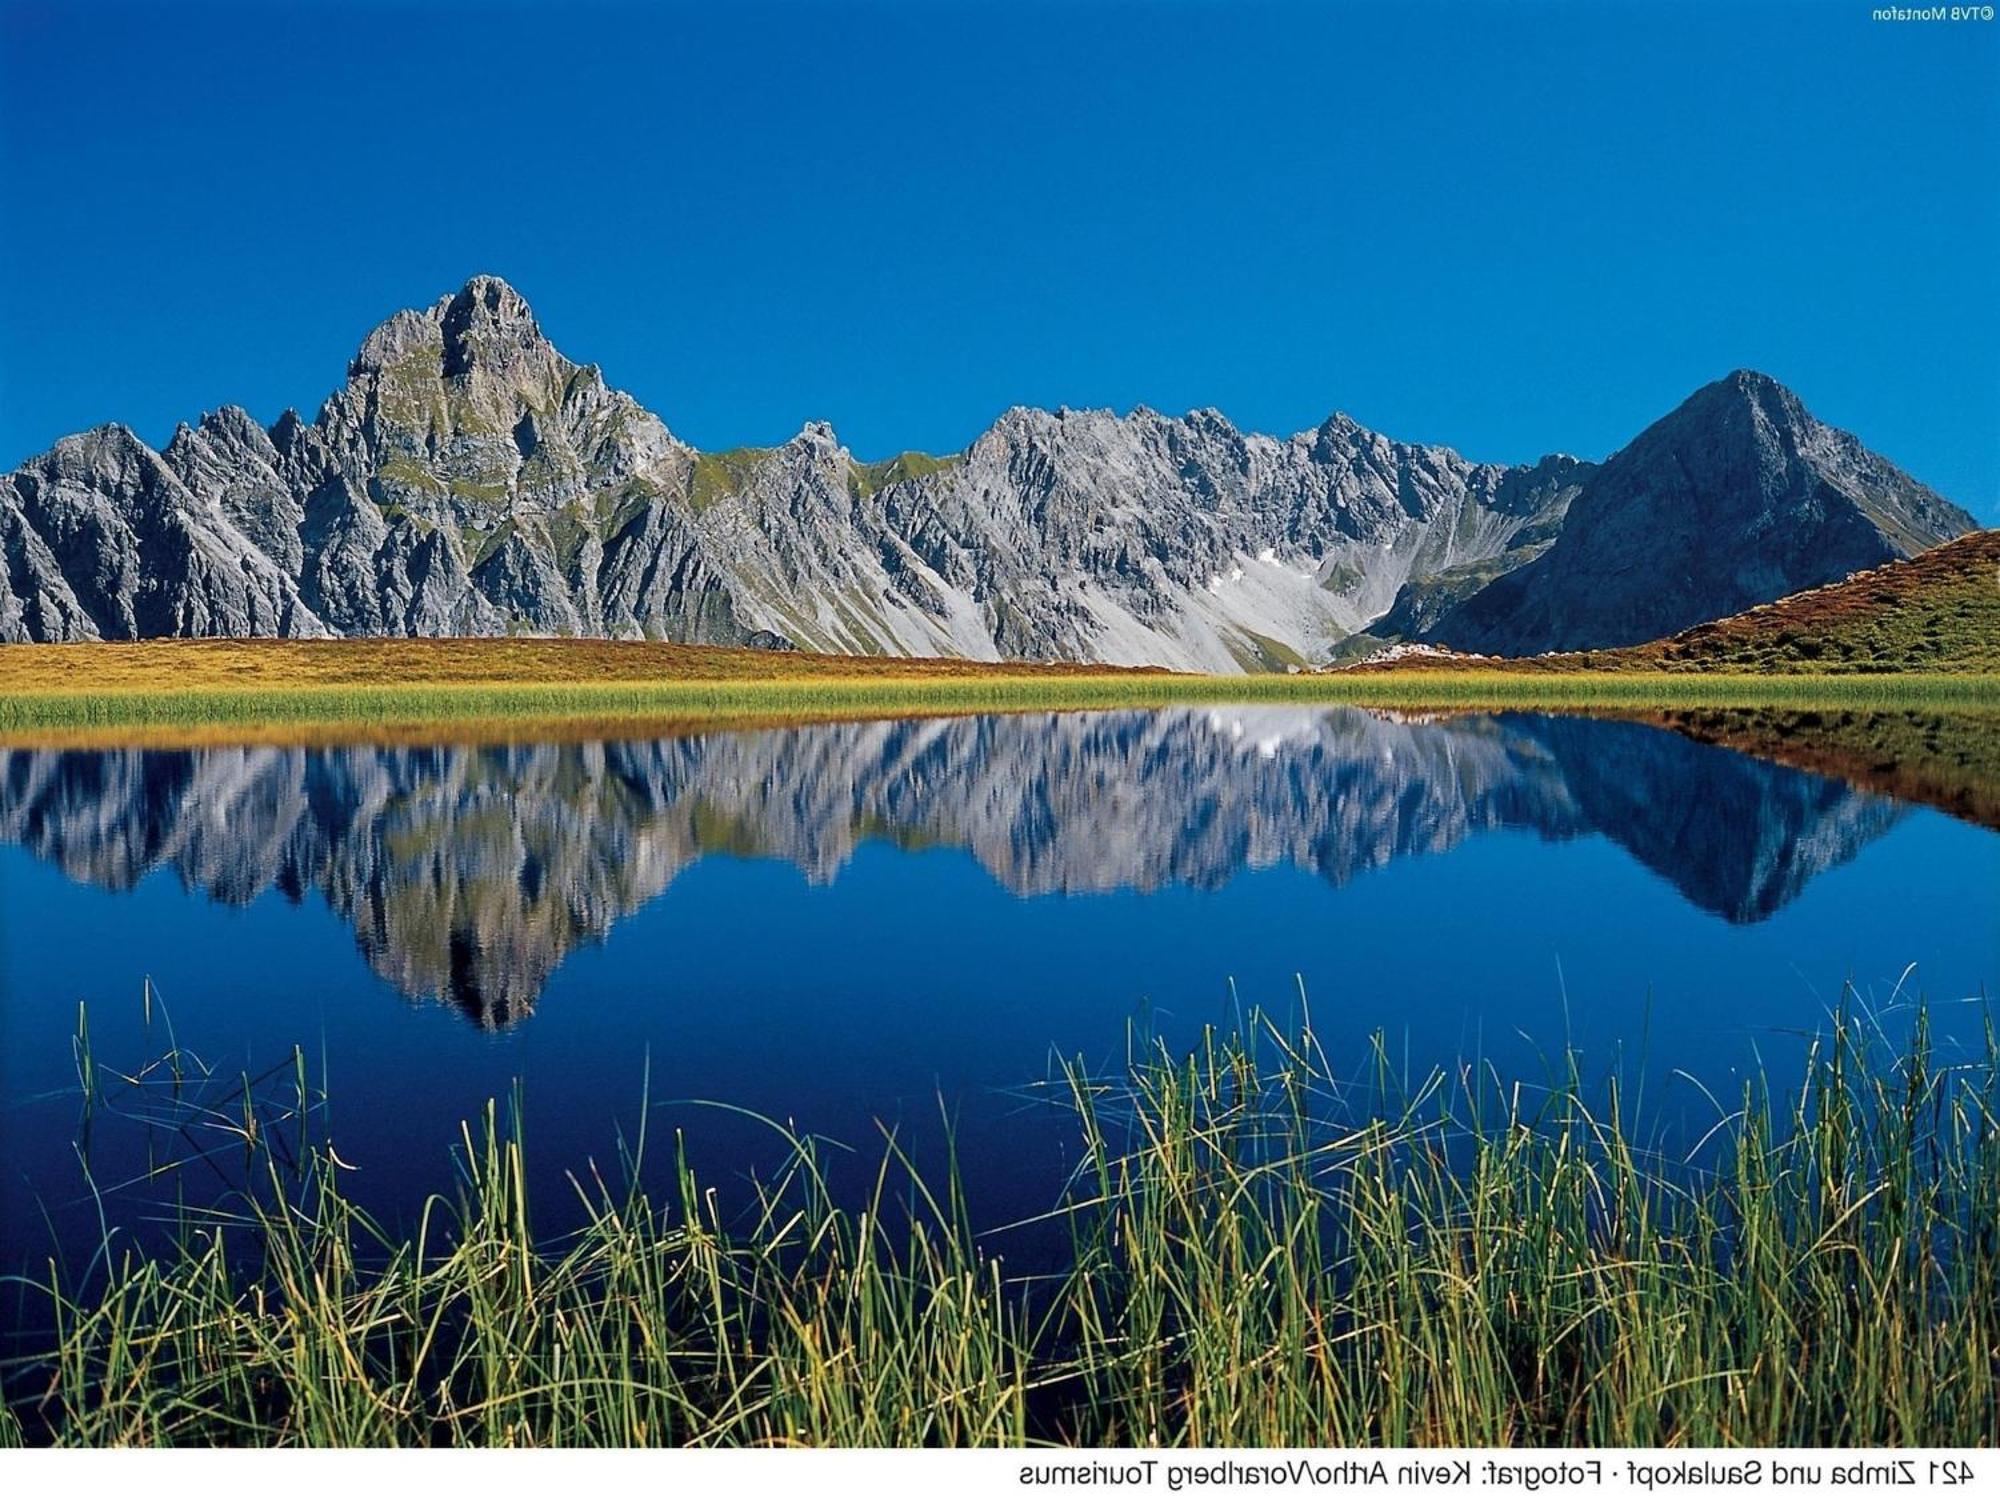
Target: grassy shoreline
x,y
404,706
1467,1263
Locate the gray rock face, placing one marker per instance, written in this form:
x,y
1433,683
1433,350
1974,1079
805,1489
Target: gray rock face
x,y
467,479
1738,497
105,541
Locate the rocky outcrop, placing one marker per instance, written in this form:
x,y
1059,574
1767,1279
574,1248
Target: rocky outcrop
x,y
106,542
468,874
467,479
1737,498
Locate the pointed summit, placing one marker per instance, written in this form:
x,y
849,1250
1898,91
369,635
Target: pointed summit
x,y
1737,404
1754,384
469,479
488,323
484,323
1736,497
494,295
472,364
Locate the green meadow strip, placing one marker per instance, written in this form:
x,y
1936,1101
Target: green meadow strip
x,y
445,704
1250,1260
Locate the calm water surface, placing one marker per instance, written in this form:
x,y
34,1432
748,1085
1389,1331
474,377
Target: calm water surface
x,y
862,926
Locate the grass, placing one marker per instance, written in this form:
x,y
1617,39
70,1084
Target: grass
x,y
721,476
183,689
271,665
1936,612
1251,1261
864,480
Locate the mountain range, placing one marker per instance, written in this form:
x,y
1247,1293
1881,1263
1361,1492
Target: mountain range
x,y
468,479
469,874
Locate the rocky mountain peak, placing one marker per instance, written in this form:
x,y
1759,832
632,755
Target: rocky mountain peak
x,y
469,479
484,326
489,324
1339,436
490,297
225,447
234,430
1736,497
1756,386
231,420
392,341
1743,406
111,451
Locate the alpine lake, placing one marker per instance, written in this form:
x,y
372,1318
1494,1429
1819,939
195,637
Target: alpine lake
x,y
905,930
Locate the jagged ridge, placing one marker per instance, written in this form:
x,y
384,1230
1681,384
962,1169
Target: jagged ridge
x,y
467,479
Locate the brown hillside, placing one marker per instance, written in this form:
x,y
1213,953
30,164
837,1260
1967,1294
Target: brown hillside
x,y
1936,612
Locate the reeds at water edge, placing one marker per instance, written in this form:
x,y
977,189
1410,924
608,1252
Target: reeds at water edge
x,y
1252,1258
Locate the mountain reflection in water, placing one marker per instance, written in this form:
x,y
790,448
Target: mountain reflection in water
x,y
469,873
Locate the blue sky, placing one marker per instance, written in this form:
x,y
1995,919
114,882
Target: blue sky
x,y
1514,228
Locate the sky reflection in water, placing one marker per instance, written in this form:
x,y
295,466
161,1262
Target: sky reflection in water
x,y
845,924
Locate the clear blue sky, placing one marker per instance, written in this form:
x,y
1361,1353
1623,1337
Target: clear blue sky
x,y
1513,228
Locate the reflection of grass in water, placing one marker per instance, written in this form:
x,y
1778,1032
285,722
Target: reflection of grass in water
x,y
1252,1264
1947,760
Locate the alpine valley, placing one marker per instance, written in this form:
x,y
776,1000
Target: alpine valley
x,y
469,480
